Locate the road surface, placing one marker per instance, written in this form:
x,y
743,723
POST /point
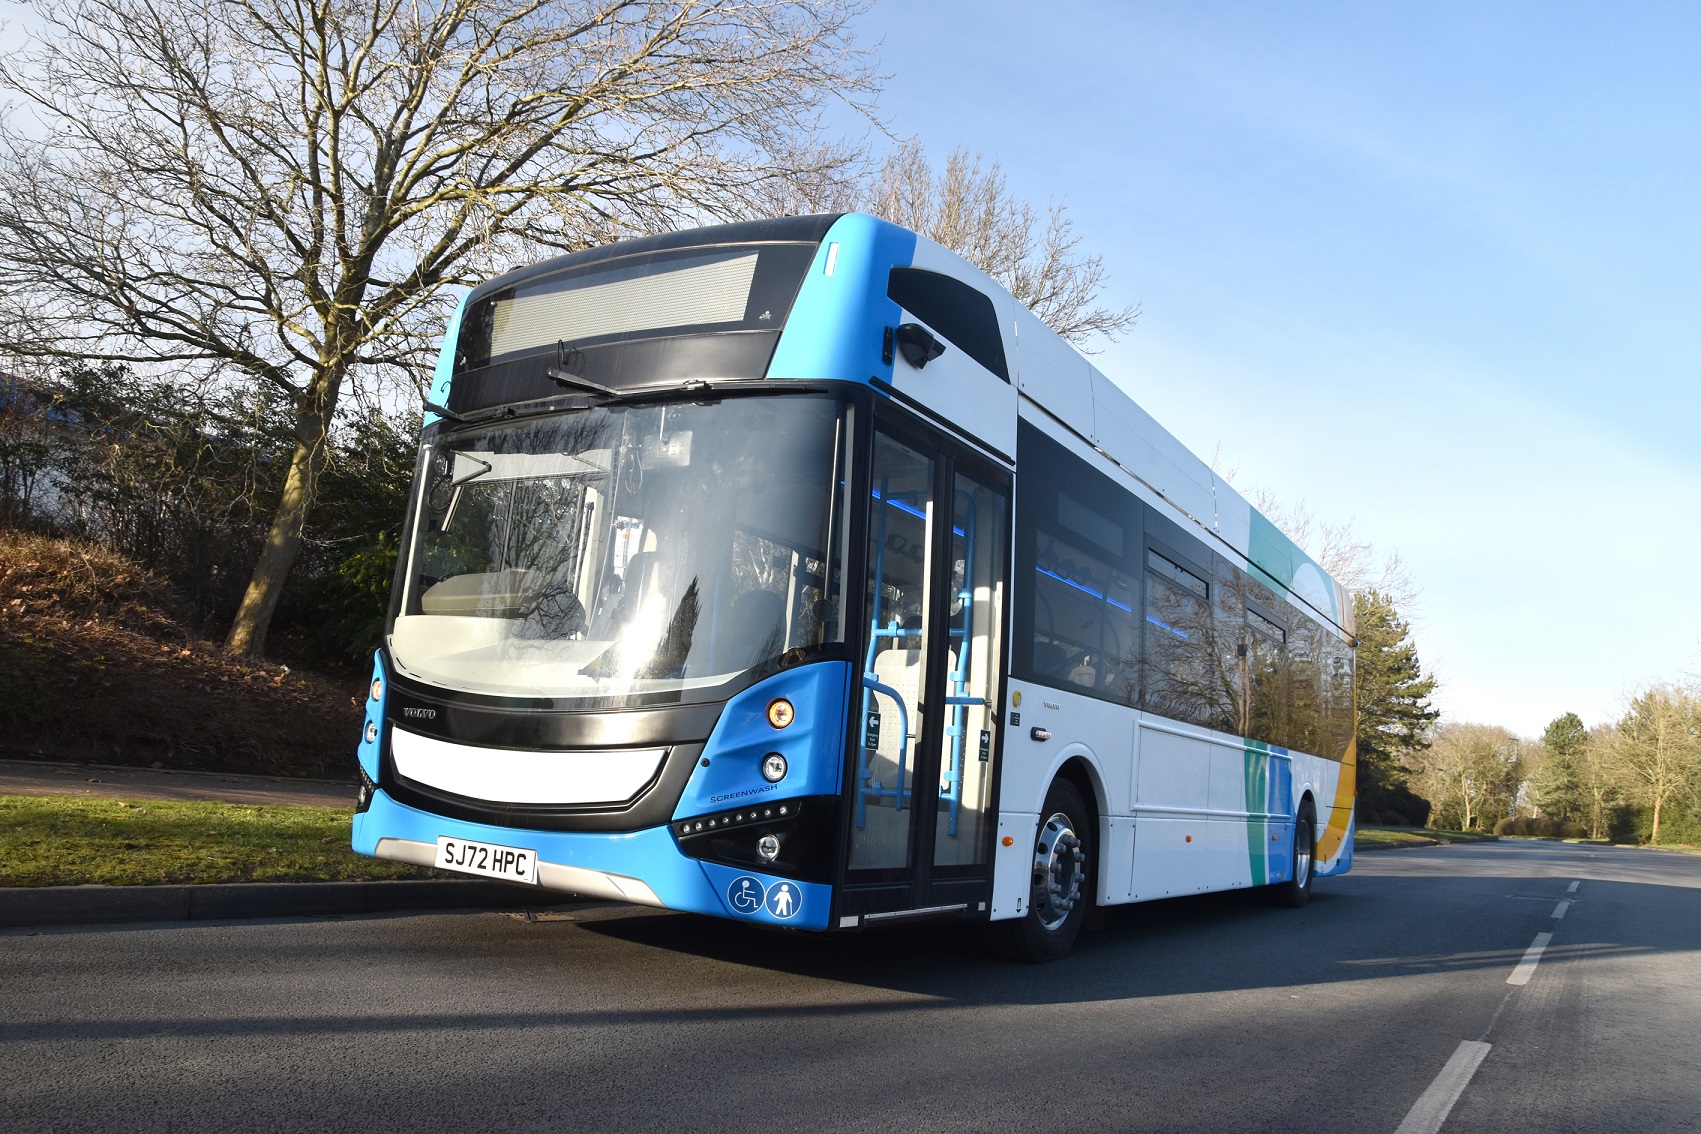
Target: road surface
x,y
1385,1005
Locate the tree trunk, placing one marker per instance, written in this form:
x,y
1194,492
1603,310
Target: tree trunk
x,y
283,539
1654,835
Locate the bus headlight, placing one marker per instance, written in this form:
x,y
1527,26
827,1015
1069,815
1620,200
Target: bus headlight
x,y
773,767
768,848
371,731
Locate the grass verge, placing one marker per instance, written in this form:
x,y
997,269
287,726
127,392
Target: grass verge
x,y
1376,838
65,841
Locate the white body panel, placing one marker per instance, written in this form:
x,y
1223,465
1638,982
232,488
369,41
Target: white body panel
x,y
1133,439
1048,368
1234,514
955,386
503,775
1184,809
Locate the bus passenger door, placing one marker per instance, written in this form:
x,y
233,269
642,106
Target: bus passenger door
x,y
926,743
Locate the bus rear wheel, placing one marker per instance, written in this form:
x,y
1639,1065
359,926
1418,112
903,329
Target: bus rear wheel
x,y
1296,891
1060,893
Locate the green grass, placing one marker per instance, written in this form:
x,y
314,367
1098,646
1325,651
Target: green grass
x,y
1370,838
64,841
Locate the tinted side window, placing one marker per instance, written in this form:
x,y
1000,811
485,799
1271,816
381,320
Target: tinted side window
x,y
1186,675
965,317
1077,586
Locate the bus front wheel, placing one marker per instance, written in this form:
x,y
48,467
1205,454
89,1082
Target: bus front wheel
x,y
1060,892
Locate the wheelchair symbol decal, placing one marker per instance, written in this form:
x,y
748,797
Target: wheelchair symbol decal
x,y
746,895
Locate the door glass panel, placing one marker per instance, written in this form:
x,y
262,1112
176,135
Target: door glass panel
x,y
973,610
899,561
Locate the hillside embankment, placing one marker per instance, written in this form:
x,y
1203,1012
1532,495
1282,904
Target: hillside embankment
x,y
97,664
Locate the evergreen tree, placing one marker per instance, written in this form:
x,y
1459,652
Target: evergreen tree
x,y
1557,787
1394,713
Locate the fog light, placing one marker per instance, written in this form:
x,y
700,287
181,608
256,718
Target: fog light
x,y
371,731
780,712
773,767
377,688
768,847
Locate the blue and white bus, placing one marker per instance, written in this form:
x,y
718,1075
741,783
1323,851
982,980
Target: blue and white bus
x,y
793,572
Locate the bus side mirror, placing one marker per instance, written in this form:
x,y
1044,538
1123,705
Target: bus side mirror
x,y
918,345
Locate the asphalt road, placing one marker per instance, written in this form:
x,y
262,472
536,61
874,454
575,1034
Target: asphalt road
x,y
1213,1014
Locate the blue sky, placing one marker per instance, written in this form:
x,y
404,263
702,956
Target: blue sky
x,y
1434,269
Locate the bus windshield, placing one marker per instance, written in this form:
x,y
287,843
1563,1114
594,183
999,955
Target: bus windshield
x,y
622,555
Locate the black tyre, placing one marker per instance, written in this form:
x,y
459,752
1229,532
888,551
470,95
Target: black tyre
x,y
1061,892
1296,891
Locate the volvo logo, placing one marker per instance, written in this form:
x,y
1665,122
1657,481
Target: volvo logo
x,y
428,714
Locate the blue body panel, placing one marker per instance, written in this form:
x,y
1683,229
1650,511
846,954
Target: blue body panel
x,y
368,752
445,370
834,327
813,744
650,855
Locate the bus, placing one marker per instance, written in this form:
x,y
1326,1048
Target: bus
x,y
793,572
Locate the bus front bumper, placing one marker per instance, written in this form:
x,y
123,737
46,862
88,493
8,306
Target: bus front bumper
x,y
643,867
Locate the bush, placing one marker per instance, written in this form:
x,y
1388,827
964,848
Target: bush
x,y
94,666
181,480
1540,827
1392,806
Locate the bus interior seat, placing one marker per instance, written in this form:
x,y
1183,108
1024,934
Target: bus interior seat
x,y
485,594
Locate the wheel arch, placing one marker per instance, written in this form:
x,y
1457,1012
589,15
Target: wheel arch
x,y
1081,771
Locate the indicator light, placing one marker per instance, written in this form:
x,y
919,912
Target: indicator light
x,y
377,688
774,768
780,712
1008,841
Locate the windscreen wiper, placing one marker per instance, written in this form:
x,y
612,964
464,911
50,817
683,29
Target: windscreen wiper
x,y
563,374
692,389
475,474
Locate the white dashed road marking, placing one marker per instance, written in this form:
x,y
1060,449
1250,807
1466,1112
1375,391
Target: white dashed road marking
x,y
1527,967
1432,1107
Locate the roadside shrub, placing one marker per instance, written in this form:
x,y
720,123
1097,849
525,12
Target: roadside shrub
x,y
94,666
1540,827
1392,806
180,479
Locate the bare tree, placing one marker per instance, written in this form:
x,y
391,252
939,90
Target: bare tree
x,y
968,207
278,191
1597,774
1470,773
1656,749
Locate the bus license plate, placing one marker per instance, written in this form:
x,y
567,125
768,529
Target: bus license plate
x,y
516,864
